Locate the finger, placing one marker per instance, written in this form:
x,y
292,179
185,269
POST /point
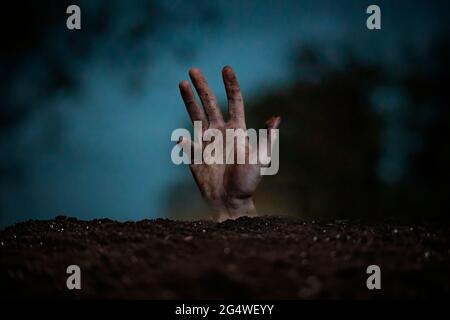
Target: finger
x,y
209,101
195,113
235,101
271,123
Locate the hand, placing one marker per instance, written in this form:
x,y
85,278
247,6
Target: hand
x,y
228,188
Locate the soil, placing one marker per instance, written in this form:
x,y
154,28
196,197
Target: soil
x,y
264,257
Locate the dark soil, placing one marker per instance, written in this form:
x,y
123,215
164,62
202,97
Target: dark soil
x,y
265,257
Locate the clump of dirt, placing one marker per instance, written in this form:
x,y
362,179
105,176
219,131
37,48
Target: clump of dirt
x,y
264,257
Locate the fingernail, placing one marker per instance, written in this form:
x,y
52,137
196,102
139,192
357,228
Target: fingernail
x,y
227,71
194,70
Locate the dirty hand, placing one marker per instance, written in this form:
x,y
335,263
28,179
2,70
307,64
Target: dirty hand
x,y
228,188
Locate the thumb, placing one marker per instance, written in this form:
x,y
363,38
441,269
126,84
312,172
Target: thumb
x,y
271,124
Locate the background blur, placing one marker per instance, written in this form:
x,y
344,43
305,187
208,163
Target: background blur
x,y
86,116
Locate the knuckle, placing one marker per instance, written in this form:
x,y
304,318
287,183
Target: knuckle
x,y
204,96
190,101
236,98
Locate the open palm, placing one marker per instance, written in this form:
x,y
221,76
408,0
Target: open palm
x,y
228,188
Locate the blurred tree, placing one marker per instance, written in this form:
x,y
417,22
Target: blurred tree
x,y
332,139
37,45
41,59
424,192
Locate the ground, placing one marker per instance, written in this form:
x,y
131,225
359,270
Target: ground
x,y
264,257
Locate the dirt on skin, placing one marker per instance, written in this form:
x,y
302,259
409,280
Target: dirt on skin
x,y
264,257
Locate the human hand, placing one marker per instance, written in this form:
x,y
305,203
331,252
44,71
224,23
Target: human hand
x,y
228,188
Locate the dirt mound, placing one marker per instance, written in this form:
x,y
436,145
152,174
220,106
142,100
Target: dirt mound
x,y
264,257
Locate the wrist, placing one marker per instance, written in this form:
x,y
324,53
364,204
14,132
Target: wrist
x,y
233,208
